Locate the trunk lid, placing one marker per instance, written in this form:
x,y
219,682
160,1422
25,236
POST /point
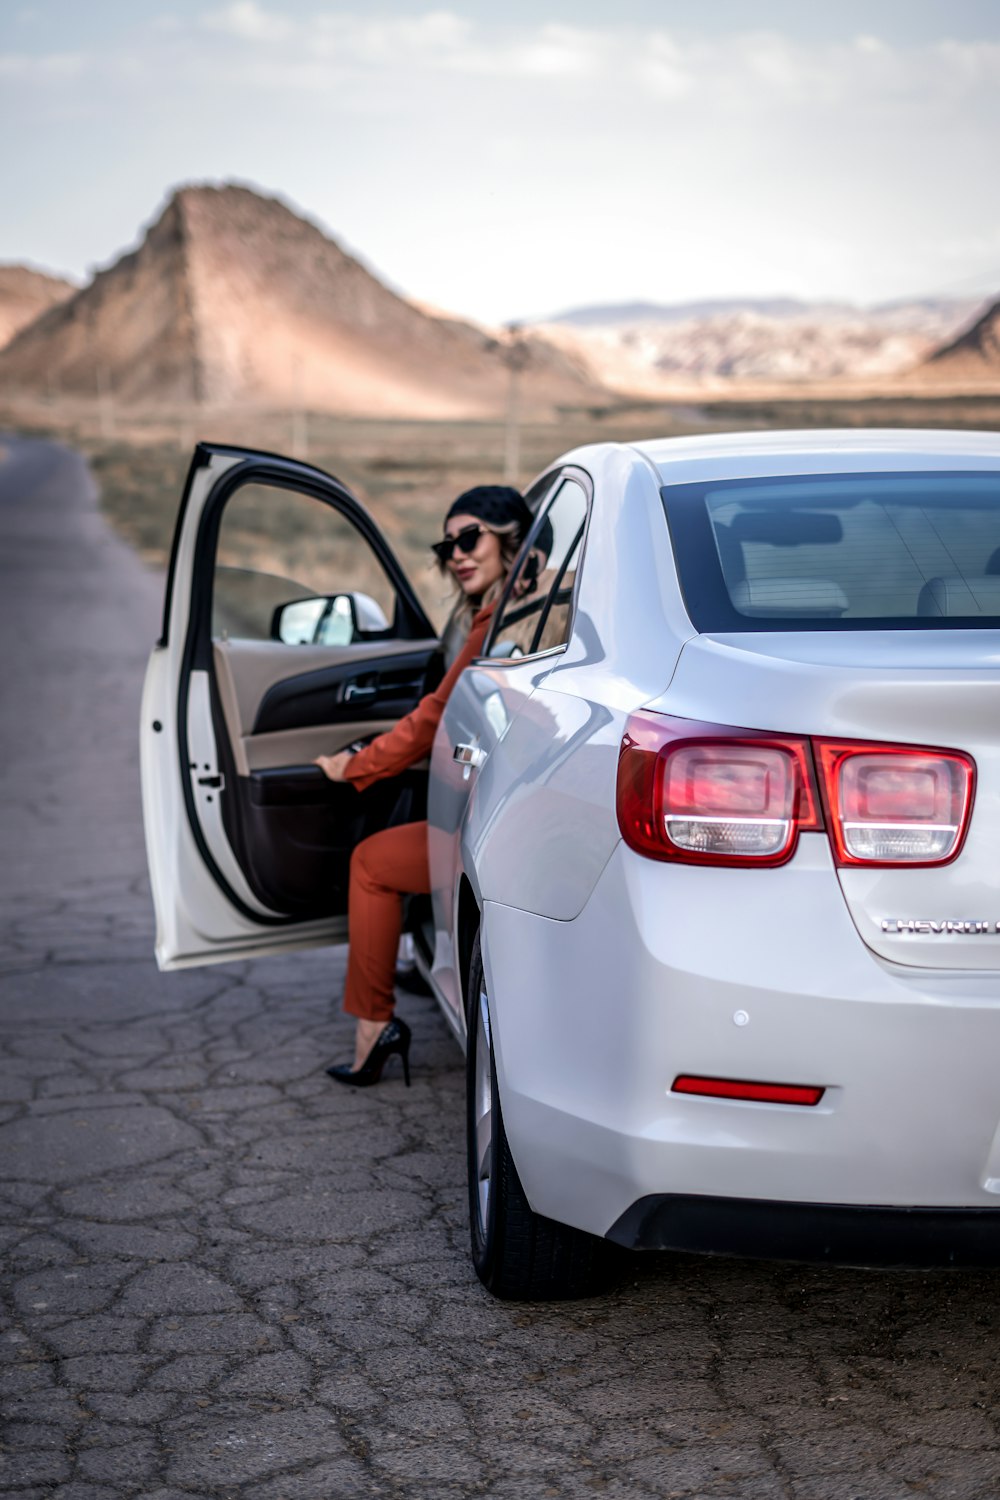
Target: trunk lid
x,y
939,689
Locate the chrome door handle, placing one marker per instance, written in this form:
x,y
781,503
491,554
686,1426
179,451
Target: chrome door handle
x,y
468,755
358,690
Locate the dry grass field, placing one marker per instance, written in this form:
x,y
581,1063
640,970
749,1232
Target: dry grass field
x,y
406,472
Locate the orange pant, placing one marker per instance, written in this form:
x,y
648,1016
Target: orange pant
x,y
384,868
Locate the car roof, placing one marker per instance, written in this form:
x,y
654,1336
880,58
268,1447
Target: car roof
x,y
734,455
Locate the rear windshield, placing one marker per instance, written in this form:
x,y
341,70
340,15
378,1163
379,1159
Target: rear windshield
x,y
855,552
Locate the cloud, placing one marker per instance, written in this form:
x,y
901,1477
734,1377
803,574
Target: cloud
x,y
438,39
757,70
437,42
557,52
249,21
49,67
666,70
623,64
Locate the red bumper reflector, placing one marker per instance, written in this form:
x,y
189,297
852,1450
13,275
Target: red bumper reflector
x,y
735,1088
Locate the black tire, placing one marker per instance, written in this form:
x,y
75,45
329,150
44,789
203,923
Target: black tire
x,y
518,1255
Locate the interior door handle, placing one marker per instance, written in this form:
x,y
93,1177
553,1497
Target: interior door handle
x,y
355,690
468,755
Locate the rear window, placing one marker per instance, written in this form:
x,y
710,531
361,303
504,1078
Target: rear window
x,y
854,552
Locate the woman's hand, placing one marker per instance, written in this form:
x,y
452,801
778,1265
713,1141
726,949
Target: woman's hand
x,y
334,766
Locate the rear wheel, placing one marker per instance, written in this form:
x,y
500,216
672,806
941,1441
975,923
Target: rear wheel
x,y
518,1254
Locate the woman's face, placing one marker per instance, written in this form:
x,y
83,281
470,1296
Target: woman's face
x,y
479,569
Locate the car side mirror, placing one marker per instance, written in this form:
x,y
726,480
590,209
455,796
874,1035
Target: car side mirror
x,y
369,618
327,620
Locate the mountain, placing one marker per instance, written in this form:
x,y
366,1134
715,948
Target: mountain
x,y
649,348
24,294
908,313
233,298
613,314
973,357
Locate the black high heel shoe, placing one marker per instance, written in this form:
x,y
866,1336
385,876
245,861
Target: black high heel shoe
x,y
395,1037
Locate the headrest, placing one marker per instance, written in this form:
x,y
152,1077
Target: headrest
x,y
960,596
817,598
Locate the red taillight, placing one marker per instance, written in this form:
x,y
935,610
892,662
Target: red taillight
x,y
895,804
735,1088
705,794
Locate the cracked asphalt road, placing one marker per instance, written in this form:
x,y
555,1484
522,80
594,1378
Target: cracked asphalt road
x,y
224,1277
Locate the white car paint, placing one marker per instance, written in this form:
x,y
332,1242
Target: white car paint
x,y
610,973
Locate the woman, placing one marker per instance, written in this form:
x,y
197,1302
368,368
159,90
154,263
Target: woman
x,y
483,532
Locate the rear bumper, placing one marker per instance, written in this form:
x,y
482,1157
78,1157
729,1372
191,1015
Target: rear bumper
x,y
754,975
839,1233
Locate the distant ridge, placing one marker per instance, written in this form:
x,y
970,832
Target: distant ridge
x,y
900,310
25,293
232,297
655,348
603,314
973,356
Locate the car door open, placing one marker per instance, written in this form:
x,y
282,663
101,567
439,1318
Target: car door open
x,y
289,631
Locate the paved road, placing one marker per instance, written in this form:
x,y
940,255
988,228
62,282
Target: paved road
x,y
224,1277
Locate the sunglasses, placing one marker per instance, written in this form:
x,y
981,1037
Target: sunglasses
x,y
465,540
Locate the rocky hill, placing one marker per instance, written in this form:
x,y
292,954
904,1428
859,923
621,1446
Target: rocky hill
x,y
26,293
648,347
233,298
971,359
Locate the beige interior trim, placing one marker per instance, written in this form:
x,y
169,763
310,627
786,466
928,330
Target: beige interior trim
x,y
230,706
244,670
297,747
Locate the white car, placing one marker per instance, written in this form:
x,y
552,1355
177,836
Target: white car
x,y
714,829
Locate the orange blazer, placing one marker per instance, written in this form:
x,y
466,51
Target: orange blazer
x,y
411,739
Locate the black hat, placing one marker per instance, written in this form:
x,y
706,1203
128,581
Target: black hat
x,y
494,505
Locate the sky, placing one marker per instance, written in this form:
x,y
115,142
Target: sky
x,y
511,161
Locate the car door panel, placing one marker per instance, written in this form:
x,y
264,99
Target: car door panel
x,y
300,747
551,792
276,716
291,828
254,667
249,843
483,705
354,691
294,831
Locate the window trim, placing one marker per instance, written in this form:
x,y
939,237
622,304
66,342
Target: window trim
x,y
553,482
408,617
576,550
